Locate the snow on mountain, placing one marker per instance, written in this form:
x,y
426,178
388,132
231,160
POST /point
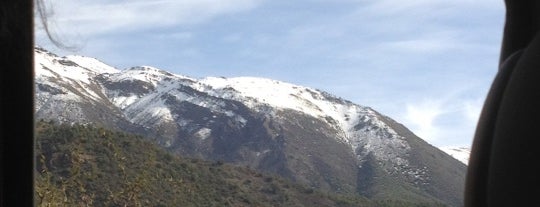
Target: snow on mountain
x,y
460,153
138,92
75,68
256,121
271,92
64,82
62,68
361,127
92,64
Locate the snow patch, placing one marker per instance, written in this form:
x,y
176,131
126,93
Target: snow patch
x,y
92,64
459,153
123,101
203,133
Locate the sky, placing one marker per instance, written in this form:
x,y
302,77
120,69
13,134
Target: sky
x,y
425,63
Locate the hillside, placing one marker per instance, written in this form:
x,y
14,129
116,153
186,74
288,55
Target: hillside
x,y
83,165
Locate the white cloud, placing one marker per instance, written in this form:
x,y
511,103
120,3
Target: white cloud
x,y
89,17
181,36
421,116
472,110
434,38
449,119
390,7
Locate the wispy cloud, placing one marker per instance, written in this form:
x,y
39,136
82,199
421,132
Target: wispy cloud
x,y
445,120
393,7
92,17
421,117
472,110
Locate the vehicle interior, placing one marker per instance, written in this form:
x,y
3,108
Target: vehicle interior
x,y
501,167
501,170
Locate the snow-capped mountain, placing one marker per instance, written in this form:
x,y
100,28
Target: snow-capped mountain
x,y
460,153
301,133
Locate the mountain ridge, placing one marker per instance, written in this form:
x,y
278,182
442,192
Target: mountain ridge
x,y
300,133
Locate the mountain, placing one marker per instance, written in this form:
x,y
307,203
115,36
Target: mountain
x,y
460,153
302,134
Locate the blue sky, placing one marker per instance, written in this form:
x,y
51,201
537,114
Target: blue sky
x,y
426,63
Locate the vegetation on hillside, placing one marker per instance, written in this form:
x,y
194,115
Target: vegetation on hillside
x,y
78,165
